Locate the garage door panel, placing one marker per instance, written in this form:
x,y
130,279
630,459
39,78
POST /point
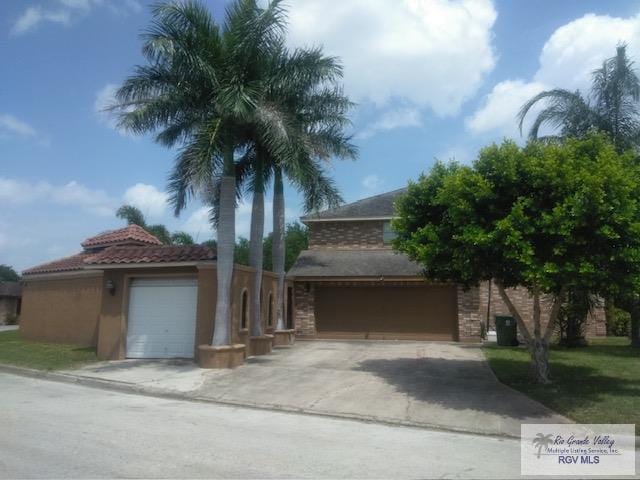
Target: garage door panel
x,y
162,318
386,312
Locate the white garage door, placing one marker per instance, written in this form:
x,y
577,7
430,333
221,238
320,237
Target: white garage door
x,y
162,318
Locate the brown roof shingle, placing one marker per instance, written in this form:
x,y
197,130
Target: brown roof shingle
x,y
67,264
132,233
152,254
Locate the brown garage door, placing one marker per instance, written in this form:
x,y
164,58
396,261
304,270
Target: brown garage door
x,y
386,312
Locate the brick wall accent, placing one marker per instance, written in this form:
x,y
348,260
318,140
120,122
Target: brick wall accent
x,y
523,301
304,317
346,235
469,302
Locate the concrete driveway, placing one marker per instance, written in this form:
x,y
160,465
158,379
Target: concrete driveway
x,y
435,384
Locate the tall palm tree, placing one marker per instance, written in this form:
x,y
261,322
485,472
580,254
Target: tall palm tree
x,y
612,106
303,87
203,90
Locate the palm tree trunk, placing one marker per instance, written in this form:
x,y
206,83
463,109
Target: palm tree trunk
x,y
225,250
256,238
278,245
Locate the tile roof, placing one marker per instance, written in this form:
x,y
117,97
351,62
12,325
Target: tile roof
x,y
152,254
379,206
353,263
129,234
10,289
67,264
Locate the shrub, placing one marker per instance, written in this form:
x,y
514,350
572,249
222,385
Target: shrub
x,y
619,323
12,319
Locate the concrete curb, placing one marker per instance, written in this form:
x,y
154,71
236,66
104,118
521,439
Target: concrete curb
x,y
133,389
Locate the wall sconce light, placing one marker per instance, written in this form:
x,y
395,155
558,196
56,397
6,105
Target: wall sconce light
x,y
111,287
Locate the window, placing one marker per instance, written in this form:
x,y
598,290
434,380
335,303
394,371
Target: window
x,y
388,234
270,310
244,319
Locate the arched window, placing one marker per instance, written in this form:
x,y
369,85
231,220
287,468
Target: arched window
x,y
244,318
270,310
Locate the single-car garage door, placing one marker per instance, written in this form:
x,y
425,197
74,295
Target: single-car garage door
x,y
162,318
387,312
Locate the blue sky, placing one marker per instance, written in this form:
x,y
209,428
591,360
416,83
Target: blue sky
x,y
432,79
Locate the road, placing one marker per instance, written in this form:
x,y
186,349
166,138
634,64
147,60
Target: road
x,y
57,430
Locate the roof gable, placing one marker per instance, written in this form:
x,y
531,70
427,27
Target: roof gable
x,y
129,235
378,207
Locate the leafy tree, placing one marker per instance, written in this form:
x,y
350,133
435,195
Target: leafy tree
x,y
8,274
612,106
182,238
296,240
548,217
241,251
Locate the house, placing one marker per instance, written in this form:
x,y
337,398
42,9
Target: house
x,y
132,297
10,300
351,284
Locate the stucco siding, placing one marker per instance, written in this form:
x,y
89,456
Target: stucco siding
x,y
62,310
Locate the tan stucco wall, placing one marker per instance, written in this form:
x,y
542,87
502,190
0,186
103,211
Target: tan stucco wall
x,y
62,309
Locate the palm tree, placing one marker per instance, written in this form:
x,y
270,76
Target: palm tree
x,y
612,106
203,90
542,441
134,216
302,86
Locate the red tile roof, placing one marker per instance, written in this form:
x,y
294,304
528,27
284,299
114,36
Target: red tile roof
x,y
130,234
154,254
74,262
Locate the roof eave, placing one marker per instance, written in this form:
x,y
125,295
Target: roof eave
x,y
306,220
113,266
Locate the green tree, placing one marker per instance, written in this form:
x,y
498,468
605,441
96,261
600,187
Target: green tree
x,y
612,106
296,240
8,274
134,216
241,252
547,217
203,90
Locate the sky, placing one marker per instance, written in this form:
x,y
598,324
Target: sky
x,y
432,79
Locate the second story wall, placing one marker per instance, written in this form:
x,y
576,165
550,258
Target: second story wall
x,y
346,235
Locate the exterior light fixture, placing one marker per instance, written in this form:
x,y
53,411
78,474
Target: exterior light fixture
x,y
111,287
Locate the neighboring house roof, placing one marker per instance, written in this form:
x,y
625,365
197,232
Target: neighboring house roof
x,y
130,234
10,289
372,208
353,263
67,264
154,254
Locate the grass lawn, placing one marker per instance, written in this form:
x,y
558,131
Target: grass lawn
x,y
42,356
596,384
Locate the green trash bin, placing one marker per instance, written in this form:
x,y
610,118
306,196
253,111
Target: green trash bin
x,y
506,331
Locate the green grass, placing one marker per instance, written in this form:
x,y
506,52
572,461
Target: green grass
x,y
42,356
596,384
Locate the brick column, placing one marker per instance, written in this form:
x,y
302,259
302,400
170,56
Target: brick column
x,y
304,311
469,314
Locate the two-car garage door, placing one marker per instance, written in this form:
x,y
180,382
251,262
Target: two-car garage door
x,y
162,318
387,312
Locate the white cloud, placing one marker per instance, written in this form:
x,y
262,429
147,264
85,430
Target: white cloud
x,y
391,120
151,201
65,12
372,182
12,125
430,53
498,113
567,60
198,225
16,192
